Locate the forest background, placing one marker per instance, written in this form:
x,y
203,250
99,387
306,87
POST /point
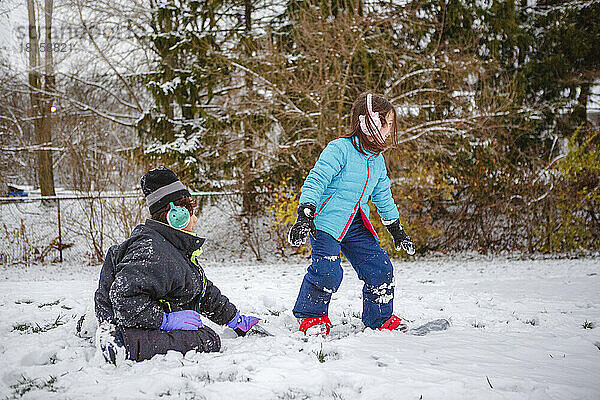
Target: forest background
x,y
498,106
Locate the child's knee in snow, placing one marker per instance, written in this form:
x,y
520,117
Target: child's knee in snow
x,y
377,270
382,276
326,274
209,340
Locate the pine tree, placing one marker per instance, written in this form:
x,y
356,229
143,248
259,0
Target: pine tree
x,y
185,128
564,62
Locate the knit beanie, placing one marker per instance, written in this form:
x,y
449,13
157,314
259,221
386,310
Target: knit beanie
x,y
161,186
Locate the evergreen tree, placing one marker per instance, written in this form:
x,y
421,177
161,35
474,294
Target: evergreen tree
x,y
185,128
564,62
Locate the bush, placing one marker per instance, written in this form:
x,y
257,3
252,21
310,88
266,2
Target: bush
x,y
283,207
575,215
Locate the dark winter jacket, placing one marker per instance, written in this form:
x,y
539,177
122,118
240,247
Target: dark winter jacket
x,y
152,272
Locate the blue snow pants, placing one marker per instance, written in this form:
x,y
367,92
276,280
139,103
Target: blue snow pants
x,y
324,275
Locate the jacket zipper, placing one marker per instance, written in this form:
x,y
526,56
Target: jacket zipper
x,y
357,204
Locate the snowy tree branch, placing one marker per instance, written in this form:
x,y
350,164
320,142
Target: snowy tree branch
x,y
409,75
272,86
103,56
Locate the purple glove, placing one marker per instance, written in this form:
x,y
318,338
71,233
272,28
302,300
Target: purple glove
x,y
185,320
241,324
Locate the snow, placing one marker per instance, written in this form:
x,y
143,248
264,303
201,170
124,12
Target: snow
x,y
517,333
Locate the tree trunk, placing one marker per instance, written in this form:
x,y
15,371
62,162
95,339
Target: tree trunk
x,y
248,195
47,178
44,157
583,98
248,16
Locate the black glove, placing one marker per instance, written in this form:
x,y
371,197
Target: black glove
x,y
304,224
401,239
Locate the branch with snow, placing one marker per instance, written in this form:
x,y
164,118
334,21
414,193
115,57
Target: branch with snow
x,y
274,87
410,75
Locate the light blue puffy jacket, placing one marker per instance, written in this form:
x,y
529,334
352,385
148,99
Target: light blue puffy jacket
x,y
340,184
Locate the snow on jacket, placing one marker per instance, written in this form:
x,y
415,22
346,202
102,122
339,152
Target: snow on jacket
x,y
151,273
340,184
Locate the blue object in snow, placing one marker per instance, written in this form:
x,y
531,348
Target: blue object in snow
x,y
17,193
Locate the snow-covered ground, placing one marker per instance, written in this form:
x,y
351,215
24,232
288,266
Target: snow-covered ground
x,y
517,333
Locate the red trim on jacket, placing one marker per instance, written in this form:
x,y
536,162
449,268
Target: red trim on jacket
x,y
322,205
368,224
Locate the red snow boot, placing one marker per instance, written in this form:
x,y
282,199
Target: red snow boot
x,y
315,326
394,323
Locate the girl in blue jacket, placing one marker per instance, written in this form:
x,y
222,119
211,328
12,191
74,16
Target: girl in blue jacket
x,y
333,209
